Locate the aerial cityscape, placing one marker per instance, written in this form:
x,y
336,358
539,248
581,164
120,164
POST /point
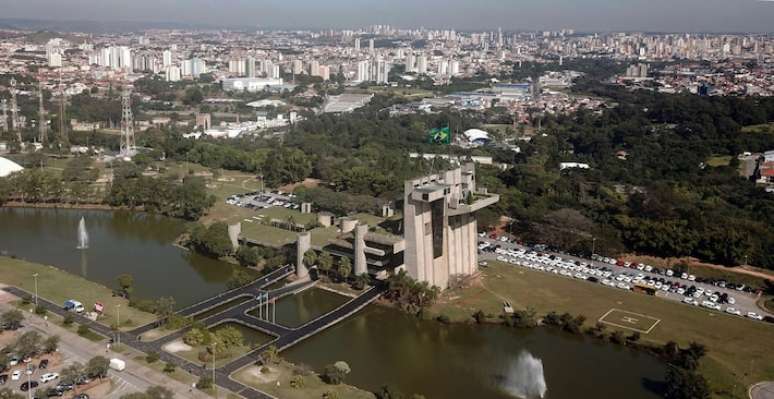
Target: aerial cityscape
x,y
341,200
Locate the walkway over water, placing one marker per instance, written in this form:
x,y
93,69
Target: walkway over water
x,y
284,337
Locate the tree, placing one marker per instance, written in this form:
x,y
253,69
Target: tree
x,y
12,319
325,262
72,373
212,240
169,368
248,256
335,373
28,344
126,283
229,337
361,281
98,367
685,384
51,344
310,258
152,357
270,355
345,267
165,306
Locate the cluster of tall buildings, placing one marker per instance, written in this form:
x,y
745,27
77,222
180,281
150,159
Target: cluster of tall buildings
x,y
113,57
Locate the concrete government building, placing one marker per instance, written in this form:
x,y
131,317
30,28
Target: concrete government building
x,y
440,225
435,240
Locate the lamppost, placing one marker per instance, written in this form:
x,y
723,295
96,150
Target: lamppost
x,y
593,245
118,323
214,387
35,276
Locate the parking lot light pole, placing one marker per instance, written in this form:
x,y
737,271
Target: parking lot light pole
x,y
214,387
35,276
593,245
118,324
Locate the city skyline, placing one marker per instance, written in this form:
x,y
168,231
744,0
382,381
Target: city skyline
x,y
516,15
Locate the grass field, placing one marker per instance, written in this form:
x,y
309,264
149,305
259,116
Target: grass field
x,y
719,160
739,350
629,320
277,383
58,286
762,128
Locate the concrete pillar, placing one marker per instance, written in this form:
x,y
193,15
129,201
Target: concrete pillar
x,y
234,230
360,258
306,207
303,244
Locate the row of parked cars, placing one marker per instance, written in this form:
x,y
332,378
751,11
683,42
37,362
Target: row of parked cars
x,y
626,281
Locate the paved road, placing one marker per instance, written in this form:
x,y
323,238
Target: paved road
x,y
745,302
135,378
285,337
762,390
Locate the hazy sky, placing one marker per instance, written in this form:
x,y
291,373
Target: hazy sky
x,y
584,15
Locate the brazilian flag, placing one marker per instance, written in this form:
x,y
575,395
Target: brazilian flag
x,y
440,135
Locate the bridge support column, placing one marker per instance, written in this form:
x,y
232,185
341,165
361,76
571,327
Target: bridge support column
x,y
303,244
360,258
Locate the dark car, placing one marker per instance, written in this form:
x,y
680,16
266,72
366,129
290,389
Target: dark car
x,y
28,385
65,386
81,396
3,379
53,392
43,364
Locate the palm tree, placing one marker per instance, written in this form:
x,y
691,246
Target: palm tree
x,y
362,280
325,262
345,268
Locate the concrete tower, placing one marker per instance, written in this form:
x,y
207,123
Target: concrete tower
x,y
360,258
127,124
62,105
440,225
303,244
43,133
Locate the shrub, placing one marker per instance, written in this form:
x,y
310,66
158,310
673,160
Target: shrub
x,y
152,357
68,319
40,310
83,329
205,382
169,368
443,319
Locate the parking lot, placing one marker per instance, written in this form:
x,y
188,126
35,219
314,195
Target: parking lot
x,y
257,200
611,273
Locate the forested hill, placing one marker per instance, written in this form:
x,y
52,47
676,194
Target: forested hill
x,y
662,199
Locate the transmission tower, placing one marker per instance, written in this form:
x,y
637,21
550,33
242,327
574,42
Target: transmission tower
x,y
127,124
15,111
42,117
62,105
4,120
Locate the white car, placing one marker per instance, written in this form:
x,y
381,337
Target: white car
x,y
731,300
733,311
754,315
48,377
16,375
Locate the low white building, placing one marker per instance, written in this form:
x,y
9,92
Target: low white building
x,y
250,84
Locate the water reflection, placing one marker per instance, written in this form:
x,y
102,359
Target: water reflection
x,y
120,242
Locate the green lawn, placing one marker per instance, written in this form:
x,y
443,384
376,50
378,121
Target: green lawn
x,y
762,128
739,350
267,235
312,385
719,160
58,286
321,235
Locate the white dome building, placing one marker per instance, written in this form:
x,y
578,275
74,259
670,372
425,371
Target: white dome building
x,y
477,136
7,167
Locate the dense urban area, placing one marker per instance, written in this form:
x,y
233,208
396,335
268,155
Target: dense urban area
x,y
614,186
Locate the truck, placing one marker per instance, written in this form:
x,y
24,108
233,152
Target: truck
x,y
117,364
72,305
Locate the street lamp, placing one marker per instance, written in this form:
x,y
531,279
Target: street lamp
x,y
118,323
35,276
593,245
214,387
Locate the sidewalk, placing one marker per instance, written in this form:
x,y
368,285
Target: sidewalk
x,y
146,375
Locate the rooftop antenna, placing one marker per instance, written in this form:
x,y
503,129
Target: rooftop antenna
x,y
41,116
127,124
15,111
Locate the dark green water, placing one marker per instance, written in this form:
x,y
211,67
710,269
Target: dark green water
x,y
382,346
119,242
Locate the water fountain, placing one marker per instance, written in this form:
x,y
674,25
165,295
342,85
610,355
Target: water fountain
x,y
83,235
525,378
